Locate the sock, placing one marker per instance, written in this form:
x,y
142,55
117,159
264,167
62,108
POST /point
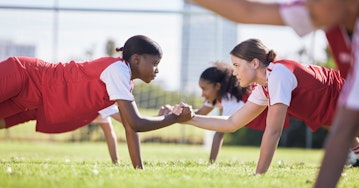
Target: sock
x,y
356,150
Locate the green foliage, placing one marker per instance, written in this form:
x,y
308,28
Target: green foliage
x,y
152,96
330,63
41,164
110,47
244,137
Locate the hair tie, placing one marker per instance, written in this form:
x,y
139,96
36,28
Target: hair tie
x,y
119,49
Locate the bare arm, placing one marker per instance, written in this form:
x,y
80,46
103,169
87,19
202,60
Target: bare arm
x,y
336,147
167,109
245,11
131,117
224,124
134,146
275,122
216,145
111,140
204,110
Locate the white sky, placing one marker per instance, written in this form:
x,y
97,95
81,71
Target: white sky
x,y
79,32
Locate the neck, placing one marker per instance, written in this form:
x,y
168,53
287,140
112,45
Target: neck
x,y
262,76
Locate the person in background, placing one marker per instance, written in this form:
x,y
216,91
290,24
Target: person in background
x,y
62,97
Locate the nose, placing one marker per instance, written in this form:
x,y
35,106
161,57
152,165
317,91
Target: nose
x,y
234,73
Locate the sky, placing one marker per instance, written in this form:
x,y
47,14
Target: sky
x,y
82,32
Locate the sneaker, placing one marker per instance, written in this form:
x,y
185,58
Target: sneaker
x,y
352,159
356,164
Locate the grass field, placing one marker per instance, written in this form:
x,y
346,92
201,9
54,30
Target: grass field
x,y
87,164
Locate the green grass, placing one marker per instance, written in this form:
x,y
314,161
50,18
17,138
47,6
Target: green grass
x,y
59,164
175,132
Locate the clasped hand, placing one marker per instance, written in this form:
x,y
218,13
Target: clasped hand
x,y
182,110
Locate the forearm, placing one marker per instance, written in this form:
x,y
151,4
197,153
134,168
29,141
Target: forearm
x,y
145,124
216,146
111,141
134,148
268,146
112,146
215,123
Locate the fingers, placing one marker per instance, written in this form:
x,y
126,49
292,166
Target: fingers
x,y
177,109
166,109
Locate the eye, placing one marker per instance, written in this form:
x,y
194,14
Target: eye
x,y
156,63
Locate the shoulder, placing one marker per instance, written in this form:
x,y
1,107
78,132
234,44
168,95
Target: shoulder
x,y
278,72
117,69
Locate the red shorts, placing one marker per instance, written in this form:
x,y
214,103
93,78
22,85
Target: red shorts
x,y
19,87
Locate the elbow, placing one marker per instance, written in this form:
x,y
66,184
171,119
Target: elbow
x,y
134,125
275,134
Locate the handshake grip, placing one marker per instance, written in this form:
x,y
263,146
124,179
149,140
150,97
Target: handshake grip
x,y
184,112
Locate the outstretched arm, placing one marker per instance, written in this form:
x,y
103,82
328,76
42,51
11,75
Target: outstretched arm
x,y
245,11
228,124
131,117
275,122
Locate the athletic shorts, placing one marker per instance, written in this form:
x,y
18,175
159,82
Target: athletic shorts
x,y
19,87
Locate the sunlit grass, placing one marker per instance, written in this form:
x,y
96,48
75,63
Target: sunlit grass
x,y
54,164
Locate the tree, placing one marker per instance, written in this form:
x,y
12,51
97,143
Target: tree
x,y
110,47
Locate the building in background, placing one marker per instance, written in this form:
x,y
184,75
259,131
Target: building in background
x,y
206,37
9,48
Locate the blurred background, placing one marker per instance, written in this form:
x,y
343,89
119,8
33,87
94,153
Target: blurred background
x,y
191,38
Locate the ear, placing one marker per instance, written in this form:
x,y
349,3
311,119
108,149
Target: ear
x,y
135,58
218,86
256,63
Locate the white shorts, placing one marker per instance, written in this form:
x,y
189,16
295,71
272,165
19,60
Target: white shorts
x,y
105,114
100,119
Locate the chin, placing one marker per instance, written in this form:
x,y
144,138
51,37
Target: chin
x,y
244,85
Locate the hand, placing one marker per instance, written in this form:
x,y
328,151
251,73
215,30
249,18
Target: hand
x,y
183,111
166,109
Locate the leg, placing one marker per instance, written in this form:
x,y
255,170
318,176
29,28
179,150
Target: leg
x,y
216,146
344,129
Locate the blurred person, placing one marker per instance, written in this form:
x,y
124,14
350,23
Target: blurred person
x,y
65,96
